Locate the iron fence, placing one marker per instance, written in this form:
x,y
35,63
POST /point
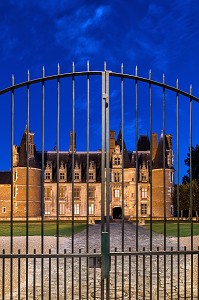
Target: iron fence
x,y
115,258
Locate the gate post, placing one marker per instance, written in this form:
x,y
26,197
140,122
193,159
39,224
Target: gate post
x,y
105,201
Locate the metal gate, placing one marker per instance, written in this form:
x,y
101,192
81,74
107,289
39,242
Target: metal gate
x,y
117,192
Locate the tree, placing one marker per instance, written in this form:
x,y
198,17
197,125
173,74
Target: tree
x,y
185,199
195,165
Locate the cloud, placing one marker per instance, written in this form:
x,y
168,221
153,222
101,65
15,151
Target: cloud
x,y
75,32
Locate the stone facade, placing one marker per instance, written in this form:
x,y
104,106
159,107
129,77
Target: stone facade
x,y
128,187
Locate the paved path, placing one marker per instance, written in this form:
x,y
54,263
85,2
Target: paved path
x,y
123,278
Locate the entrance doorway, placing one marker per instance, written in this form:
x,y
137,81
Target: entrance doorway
x,y
117,212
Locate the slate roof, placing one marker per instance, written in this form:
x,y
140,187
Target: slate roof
x,y
34,162
143,143
5,177
80,158
127,156
158,161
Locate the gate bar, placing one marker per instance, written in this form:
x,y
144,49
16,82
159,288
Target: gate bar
x,y
151,182
12,186
42,183
27,179
137,174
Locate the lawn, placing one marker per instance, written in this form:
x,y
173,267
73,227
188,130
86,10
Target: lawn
x,y
34,228
172,228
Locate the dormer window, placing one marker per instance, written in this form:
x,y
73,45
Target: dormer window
x,y
76,177
117,160
92,172
47,175
62,176
144,178
62,172
91,176
48,171
77,172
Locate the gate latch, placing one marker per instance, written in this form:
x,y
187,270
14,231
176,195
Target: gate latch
x,y
95,262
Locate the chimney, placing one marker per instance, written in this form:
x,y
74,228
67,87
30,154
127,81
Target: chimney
x,y
15,156
154,144
71,142
169,140
112,141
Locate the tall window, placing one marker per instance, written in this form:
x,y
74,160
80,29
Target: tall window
x,y
62,192
76,208
91,209
116,177
14,191
47,192
91,193
116,193
61,209
143,209
144,193
4,210
76,193
15,175
47,209
171,177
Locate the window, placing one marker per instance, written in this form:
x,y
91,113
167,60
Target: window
x,y
116,160
47,192
143,177
116,177
3,210
144,193
171,210
91,209
91,176
116,193
15,175
91,193
47,176
171,177
77,177
76,209
61,192
47,209
170,191
62,175
14,191
76,193
143,209
61,209
31,149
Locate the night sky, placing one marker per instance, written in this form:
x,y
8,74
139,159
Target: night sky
x,y
162,36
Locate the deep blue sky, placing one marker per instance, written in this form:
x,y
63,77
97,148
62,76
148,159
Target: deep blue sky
x,y
158,35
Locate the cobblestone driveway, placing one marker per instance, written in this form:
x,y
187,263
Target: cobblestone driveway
x,y
81,275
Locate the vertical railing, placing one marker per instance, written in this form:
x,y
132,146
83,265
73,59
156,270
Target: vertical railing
x,y
27,179
151,182
165,259
137,174
42,181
